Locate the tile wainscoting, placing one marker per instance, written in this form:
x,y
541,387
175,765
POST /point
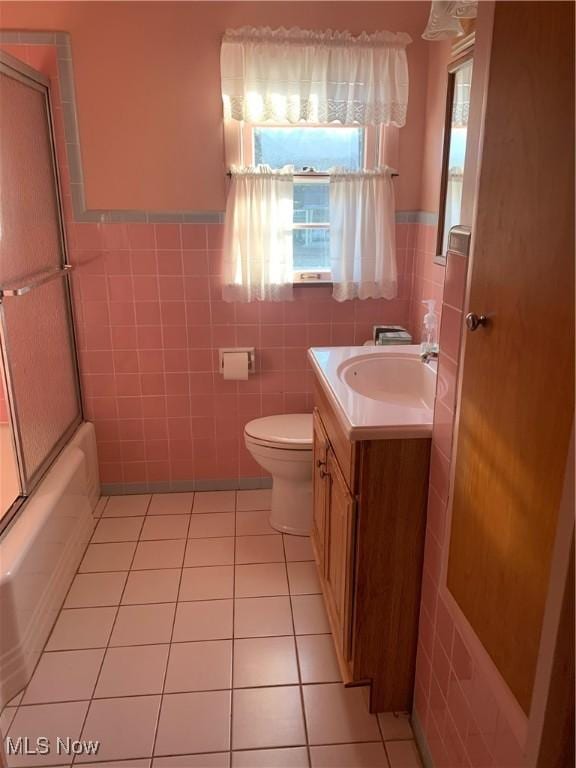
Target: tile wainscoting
x,y
150,321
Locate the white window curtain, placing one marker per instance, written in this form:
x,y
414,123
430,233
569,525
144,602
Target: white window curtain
x,y
258,235
295,76
453,201
362,235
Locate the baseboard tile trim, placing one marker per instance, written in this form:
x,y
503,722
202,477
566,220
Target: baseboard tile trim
x,y
224,484
421,741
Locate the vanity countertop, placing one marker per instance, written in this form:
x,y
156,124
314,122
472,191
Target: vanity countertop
x,y
378,392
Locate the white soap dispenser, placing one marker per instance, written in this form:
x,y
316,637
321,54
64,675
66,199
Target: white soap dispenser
x,y
429,344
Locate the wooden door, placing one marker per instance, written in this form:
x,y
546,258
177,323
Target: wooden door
x,y
518,383
340,556
320,483
557,743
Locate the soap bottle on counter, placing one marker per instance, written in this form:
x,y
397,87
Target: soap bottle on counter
x,y
429,343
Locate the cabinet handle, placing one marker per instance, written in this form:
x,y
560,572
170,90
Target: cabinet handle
x,y
320,463
324,474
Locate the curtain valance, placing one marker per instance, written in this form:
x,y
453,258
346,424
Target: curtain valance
x,y
303,76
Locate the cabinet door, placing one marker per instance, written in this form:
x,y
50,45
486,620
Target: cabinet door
x,y
341,526
320,491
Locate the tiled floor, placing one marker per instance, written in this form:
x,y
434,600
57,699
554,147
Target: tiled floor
x,y
194,636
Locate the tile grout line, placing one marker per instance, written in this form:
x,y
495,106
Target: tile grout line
x,y
171,638
300,684
231,727
157,277
92,699
179,642
199,690
224,752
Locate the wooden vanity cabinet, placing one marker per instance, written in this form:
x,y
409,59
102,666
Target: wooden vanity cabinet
x,y
320,457
339,555
368,538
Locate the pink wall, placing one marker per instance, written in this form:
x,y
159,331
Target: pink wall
x,y
150,321
428,278
148,90
439,54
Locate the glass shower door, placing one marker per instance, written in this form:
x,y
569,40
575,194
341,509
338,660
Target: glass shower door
x,y
37,340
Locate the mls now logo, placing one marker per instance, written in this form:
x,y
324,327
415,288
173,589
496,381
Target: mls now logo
x,y
23,745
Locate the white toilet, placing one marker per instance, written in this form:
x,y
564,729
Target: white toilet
x,y
282,445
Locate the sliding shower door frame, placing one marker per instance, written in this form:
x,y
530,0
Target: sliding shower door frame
x,y
17,70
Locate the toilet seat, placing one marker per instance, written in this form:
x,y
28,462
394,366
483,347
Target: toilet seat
x,y
292,431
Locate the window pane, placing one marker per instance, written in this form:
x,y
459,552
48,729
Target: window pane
x,y
312,248
311,203
318,148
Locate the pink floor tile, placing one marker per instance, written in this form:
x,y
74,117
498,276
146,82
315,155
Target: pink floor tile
x,y
265,661
337,715
347,755
133,671
199,666
215,582
194,722
291,757
48,720
267,717
125,727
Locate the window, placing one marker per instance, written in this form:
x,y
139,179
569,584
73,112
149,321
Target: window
x,y
288,100
312,151
319,148
457,108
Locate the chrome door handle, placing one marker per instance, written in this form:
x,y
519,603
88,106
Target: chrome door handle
x,y
474,321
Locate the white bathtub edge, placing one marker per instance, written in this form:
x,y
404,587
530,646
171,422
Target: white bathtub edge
x,y
39,556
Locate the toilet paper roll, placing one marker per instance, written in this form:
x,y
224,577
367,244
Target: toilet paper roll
x,y
235,366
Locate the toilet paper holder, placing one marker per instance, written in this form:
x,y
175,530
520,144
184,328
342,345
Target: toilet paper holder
x,y
251,357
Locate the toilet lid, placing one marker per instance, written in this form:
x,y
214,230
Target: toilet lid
x,y
292,430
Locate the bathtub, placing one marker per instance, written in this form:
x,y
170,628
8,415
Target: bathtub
x,y
39,555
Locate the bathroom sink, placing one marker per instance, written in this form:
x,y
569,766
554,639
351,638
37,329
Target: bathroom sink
x,y
396,379
378,392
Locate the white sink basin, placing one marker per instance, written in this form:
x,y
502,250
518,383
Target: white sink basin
x,y
396,379
378,392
